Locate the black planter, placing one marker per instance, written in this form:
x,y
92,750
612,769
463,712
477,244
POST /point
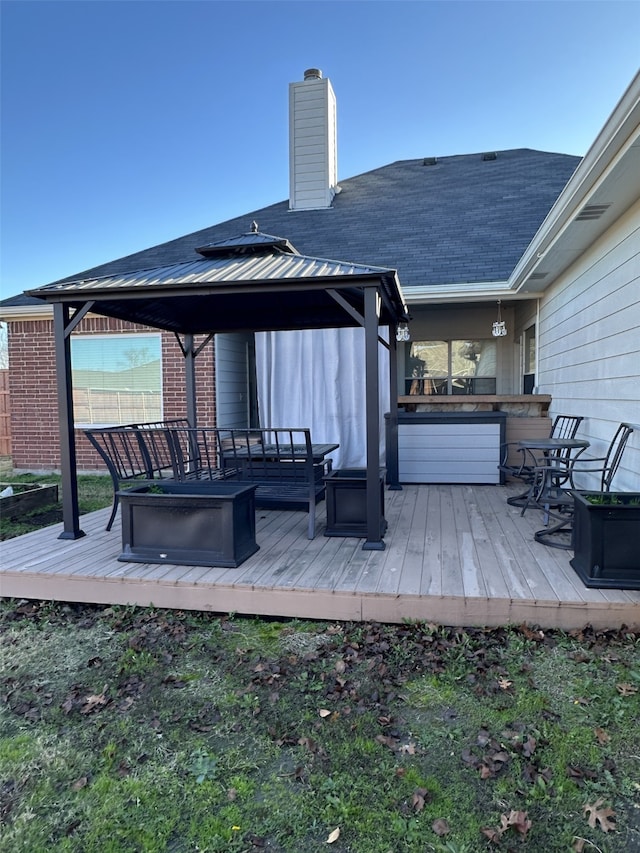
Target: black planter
x,y
346,495
194,524
606,539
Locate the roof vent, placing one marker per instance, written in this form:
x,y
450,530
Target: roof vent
x,y
429,161
313,74
592,211
490,155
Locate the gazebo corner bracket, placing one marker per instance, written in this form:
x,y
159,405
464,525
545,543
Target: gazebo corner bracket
x,y
187,349
353,313
74,321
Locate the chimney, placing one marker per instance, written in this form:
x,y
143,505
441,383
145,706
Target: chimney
x,y
313,166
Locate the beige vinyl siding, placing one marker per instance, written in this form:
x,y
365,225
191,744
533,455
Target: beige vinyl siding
x,y
232,383
589,342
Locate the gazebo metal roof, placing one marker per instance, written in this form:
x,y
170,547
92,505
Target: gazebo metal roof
x,y
253,282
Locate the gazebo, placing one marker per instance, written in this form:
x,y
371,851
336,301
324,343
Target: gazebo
x,y
254,282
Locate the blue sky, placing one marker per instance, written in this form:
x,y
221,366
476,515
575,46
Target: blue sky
x,y
131,122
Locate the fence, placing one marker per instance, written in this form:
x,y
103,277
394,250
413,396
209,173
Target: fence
x,y
5,415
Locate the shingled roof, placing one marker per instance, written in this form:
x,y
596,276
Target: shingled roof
x,y
448,220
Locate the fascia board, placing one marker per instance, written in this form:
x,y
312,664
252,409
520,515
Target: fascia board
x,y
14,313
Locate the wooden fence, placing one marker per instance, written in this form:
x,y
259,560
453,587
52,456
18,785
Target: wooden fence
x,y
5,415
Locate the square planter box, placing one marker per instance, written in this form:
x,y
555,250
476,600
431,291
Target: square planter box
x,y
606,539
346,495
194,524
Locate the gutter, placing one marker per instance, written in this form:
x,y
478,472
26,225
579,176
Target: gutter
x,y
461,292
13,313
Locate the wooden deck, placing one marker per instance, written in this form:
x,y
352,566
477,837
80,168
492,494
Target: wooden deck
x,y
455,555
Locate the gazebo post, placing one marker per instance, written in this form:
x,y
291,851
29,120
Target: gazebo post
x,y
374,541
70,507
391,432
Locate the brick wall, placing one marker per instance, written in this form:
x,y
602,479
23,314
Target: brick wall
x,y
35,444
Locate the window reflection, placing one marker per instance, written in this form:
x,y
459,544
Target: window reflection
x,y
451,367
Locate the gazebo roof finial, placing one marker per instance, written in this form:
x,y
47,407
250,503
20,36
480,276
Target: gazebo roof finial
x,y
254,227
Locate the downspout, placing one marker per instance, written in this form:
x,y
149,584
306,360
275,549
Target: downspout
x,y
537,362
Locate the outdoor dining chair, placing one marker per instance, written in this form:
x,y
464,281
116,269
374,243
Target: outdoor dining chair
x,y
563,426
550,473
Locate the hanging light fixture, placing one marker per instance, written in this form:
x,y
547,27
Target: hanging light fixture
x,y
499,329
402,332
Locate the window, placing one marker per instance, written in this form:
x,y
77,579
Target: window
x,y
451,367
529,366
117,379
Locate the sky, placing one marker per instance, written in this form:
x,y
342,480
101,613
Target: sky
x,y
128,123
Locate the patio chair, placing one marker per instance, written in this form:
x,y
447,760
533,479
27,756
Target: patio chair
x,y
558,477
563,426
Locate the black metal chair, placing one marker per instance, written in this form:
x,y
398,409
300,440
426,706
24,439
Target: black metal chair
x,y
563,426
558,476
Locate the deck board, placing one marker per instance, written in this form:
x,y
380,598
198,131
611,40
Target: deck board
x,y
455,554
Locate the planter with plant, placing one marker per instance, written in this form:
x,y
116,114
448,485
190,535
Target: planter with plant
x,y
606,539
203,523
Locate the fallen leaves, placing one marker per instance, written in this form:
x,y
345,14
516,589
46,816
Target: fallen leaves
x,y
494,756
441,827
334,836
78,699
598,816
517,820
420,797
95,701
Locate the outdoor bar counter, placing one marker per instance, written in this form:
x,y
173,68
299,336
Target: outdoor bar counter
x,y
457,438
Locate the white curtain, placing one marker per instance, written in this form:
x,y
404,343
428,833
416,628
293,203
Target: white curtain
x,y
315,378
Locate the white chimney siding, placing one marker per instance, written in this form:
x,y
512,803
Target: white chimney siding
x,y
313,168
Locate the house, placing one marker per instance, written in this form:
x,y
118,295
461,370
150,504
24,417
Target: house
x,y
546,243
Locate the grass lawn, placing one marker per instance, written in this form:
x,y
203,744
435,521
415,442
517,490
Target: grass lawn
x,y
132,729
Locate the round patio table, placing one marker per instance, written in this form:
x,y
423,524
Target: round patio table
x,y
557,455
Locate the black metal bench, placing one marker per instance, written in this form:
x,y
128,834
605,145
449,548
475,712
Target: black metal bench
x,y
287,467
128,457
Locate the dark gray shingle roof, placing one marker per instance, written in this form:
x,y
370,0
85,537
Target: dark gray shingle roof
x,y
464,219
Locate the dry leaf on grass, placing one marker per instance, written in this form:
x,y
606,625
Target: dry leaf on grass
x,y
420,796
518,820
605,818
440,826
97,700
334,836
